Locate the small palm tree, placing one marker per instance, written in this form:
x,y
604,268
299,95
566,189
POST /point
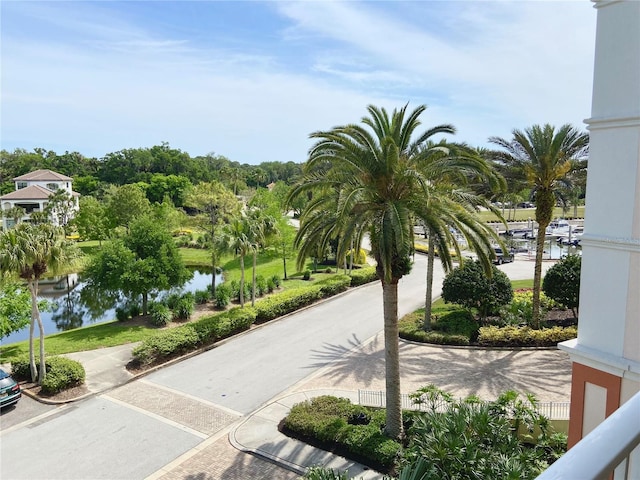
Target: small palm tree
x,y
237,237
30,251
449,168
14,213
544,157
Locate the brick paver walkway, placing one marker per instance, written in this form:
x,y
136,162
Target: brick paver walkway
x,y
221,461
192,413
459,371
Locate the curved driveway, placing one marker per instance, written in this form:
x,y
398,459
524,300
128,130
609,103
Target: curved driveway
x,y
133,431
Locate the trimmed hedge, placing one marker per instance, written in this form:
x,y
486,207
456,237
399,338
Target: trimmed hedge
x,y
355,428
62,373
363,275
166,344
185,338
291,300
511,336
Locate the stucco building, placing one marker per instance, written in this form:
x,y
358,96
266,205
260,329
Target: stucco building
x,y
32,194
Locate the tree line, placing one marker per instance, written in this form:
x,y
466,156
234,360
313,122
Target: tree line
x,y
164,169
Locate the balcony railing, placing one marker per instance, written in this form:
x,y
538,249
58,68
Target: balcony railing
x,y
610,449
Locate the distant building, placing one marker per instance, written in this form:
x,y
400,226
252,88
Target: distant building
x,y
32,195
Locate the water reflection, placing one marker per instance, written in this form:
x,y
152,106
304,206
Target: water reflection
x,y
75,303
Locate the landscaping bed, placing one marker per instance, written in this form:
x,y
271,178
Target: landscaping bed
x,y
468,438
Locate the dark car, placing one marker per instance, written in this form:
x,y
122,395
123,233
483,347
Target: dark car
x,y
9,390
502,257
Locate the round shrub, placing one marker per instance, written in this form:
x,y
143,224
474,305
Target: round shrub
x,y
122,314
270,285
562,282
134,310
160,315
62,373
201,296
261,285
223,295
172,300
306,275
184,307
276,280
470,287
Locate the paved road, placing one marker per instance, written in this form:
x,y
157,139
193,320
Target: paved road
x,y
133,431
25,410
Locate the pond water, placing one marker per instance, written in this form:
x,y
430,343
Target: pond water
x,y
75,304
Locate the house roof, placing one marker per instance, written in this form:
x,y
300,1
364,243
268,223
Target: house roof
x,y
43,176
34,192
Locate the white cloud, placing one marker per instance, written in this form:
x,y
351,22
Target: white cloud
x,y
487,68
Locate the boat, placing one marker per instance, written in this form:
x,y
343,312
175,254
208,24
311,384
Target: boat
x,y
558,227
573,237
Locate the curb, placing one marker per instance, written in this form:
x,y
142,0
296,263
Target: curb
x,y
188,355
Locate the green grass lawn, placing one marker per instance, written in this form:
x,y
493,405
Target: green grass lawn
x,y
524,214
81,339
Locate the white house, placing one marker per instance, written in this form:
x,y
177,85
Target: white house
x,y
32,194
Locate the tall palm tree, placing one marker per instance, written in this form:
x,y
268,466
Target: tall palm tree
x,y
545,157
30,251
369,175
450,168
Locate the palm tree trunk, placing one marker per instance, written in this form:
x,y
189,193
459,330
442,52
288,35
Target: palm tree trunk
x,y
431,257
43,363
393,428
213,276
253,280
284,259
537,274
34,314
242,280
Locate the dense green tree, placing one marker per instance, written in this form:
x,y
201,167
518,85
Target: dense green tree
x,y
125,204
143,261
215,205
545,157
91,221
176,187
562,282
15,308
29,251
87,185
370,175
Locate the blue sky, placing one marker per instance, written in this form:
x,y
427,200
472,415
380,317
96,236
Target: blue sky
x,y
252,80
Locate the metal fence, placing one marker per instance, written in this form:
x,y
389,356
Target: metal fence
x,y
369,398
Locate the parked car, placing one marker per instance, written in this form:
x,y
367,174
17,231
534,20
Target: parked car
x,y
10,391
526,205
502,257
